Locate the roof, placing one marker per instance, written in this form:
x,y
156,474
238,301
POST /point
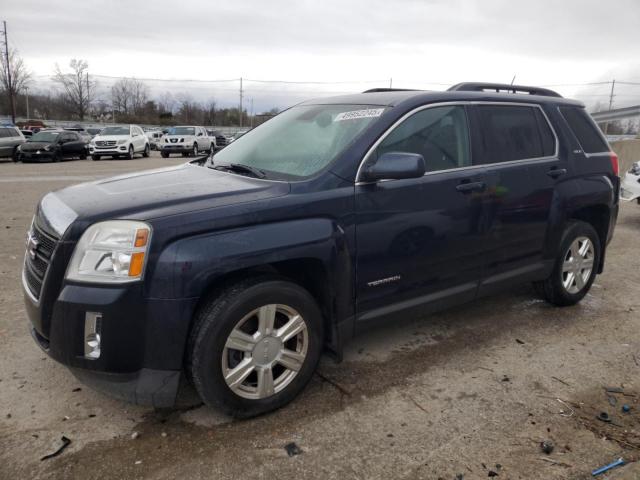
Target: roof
x,y
390,98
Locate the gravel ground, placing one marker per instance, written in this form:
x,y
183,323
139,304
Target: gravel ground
x,y
459,394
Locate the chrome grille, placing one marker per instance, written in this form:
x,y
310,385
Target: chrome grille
x,y
106,143
40,248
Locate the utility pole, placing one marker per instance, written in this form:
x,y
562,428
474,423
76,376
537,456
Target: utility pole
x,y
9,80
251,117
26,92
241,102
613,86
391,82
88,102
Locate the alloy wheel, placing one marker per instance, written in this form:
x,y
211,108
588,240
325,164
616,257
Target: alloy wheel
x,y
265,351
577,265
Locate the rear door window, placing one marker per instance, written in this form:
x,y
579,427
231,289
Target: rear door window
x,y
585,130
513,132
4,132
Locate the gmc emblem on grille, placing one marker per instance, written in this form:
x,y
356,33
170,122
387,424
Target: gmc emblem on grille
x,y
32,245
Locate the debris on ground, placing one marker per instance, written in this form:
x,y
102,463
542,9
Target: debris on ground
x,y
492,474
606,468
519,341
547,446
626,408
604,417
134,435
65,443
292,449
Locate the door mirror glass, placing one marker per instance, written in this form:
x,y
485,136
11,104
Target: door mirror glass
x,y
395,166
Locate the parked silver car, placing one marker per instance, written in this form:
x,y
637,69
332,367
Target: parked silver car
x,y
10,139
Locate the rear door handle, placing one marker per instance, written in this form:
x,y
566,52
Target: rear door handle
x,y
556,172
471,187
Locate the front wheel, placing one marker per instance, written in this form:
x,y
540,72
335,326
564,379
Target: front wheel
x,y
131,153
145,153
95,157
575,267
194,152
164,154
255,346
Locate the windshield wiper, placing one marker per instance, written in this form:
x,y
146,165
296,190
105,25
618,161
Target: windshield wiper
x,y
239,167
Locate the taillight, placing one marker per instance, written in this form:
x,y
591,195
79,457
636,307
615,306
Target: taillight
x,y
614,164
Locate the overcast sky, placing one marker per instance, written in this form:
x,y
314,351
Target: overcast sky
x,y
418,43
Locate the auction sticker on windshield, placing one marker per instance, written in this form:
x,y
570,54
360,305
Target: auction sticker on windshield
x,y
356,114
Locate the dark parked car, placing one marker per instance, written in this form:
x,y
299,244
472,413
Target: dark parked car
x,y
221,139
240,269
53,146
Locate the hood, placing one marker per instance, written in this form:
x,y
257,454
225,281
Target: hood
x,y
106,138
33,146
167,191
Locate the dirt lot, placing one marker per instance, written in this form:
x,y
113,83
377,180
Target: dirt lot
x,y
459,394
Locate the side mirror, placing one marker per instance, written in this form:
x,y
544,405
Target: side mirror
x,y
200,134
395,166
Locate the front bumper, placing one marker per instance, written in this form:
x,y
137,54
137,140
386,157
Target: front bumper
x,y
630,187
37,156
116,150
176,147
142,340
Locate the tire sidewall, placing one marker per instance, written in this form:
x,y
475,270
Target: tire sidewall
x,y
211,338
575,230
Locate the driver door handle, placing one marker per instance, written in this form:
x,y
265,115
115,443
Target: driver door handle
x,y
471,187
556,172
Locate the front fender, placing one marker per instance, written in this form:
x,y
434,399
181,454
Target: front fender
x,y
188,266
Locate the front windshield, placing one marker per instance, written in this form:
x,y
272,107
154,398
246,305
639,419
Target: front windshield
x,y
300,141
115,131
46,137
182,131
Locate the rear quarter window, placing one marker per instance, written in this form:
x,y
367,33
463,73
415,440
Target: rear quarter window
x,y
585,130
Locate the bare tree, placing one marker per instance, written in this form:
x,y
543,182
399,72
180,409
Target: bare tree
x,y
77,87
129,96
14,78
166,103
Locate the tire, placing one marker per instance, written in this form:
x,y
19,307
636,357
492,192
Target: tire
x,y
571,278
195,150
95,157
130,153
164,154
83,157
227,309
212,148
15,156
185,154
57,157
145,152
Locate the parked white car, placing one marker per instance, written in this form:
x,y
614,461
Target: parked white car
x,y
155,138
119,141
187,140
630,188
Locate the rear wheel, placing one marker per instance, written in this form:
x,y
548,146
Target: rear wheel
x,y
145,153
255,345
83,156
57,157
575,268
15,156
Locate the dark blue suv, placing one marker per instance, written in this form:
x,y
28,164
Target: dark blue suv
x,y
237,270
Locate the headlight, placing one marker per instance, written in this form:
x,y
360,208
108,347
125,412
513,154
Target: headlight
x,y
47,147
19,148
111,252
123,141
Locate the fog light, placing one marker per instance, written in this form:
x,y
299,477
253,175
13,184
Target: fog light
x,y
123,148
92,329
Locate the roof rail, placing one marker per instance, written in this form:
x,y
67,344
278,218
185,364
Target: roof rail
x,y
376,90
502,88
